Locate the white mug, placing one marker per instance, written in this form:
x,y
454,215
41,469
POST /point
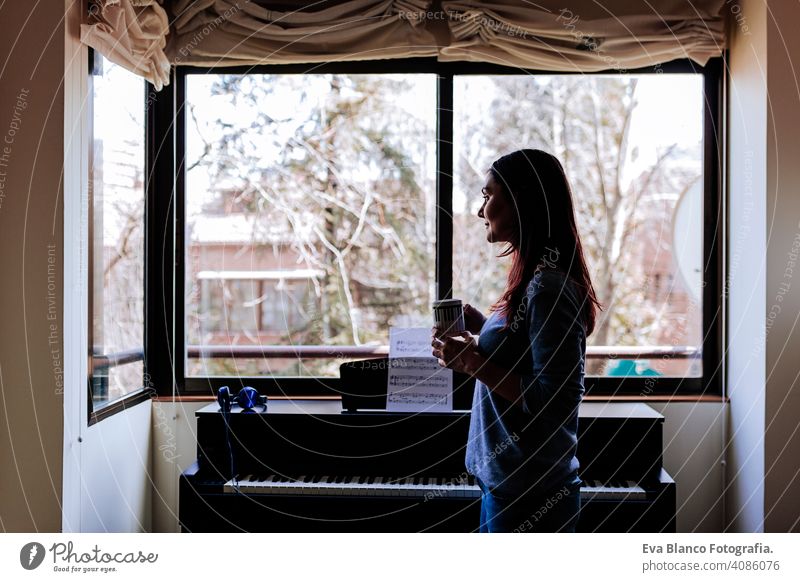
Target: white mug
x,y
448,314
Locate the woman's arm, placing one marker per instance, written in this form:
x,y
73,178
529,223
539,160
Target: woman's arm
x,y
460,353
503,382
558,347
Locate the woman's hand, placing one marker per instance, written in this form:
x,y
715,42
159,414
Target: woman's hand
x,y
473,319
458,352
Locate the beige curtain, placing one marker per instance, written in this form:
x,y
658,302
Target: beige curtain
x,y
568,35
132,34
238,32
559,35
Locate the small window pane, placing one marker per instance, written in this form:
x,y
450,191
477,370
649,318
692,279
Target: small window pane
x,y
116,199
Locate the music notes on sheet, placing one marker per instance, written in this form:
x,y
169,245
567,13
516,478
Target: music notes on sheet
x,y
410,342
426,398
416,382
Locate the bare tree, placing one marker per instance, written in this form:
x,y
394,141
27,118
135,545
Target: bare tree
x,y
341,178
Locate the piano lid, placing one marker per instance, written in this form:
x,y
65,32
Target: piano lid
x,y
320,407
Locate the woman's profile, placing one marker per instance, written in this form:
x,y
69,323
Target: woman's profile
x,y
528,359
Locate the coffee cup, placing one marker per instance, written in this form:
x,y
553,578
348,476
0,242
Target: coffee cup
x,y
448,315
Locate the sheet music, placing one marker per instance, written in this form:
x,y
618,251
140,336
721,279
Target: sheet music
x,y
416,381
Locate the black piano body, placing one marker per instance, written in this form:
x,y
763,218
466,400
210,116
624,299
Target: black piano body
x,y
299,443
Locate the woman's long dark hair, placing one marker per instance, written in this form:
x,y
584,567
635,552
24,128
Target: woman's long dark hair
x,y
539,191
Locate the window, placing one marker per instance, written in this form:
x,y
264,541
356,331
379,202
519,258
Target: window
x,y
116,211
316,209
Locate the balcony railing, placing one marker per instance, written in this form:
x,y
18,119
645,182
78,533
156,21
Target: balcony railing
x,y
377,351
102,365
118,358
103,362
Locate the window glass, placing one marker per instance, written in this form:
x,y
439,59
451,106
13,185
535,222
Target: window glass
x,y
310,218
632,150
116,205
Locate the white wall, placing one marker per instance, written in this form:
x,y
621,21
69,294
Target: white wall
x,y
782,404
747,134
693,438
116,488
174,450
764,449
31,249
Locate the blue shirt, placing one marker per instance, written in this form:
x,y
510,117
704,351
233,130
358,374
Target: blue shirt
x,y
530,445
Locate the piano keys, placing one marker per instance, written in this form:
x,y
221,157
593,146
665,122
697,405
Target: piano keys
x,y
357,486
407,487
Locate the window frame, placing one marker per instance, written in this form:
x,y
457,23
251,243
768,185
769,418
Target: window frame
x,y
99,362
165,312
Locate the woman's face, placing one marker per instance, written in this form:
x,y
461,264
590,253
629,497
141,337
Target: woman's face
x,y
497,211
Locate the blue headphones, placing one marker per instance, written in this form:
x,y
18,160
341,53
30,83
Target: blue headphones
x,y
247,399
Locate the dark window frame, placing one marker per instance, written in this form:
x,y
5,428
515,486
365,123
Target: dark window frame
x,y
164,333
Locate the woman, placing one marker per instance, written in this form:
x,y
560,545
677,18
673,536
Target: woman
x,y
528,360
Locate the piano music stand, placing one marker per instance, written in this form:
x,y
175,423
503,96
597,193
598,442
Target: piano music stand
x,y
363,386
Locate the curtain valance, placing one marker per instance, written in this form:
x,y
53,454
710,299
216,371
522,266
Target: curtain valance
x,y
584,36
553,35
233,32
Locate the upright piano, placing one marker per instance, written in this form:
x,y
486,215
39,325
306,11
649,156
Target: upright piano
x,y
338,466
